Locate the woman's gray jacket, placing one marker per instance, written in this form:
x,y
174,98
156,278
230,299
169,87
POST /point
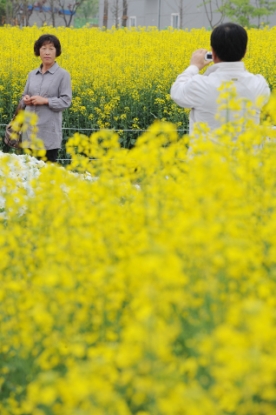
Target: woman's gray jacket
x,y
54,84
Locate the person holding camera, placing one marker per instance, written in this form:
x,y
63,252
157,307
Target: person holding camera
x,y
200,92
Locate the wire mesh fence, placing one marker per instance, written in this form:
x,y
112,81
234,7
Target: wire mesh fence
x,y
64,158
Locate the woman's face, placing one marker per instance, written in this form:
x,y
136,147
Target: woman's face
x,y
47,53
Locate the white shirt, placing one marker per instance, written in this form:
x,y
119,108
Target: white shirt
x,y
200,92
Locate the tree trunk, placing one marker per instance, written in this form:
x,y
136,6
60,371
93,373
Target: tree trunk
x,y
116,13
105,14
125,10
53,13
181,14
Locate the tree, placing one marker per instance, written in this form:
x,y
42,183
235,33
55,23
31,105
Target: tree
x,y
125,11
67,11
18,12
2,12
86,12
181,13
249,13
215,11
105,13
42,14
179,7
54,9
245,12
240,11
264,8
115,10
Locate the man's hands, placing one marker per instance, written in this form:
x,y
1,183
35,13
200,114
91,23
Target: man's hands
x,y
35,100
198,58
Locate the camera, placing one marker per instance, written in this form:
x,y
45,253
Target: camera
x,y
208,56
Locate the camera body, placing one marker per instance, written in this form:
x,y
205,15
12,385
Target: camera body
x,y
208,56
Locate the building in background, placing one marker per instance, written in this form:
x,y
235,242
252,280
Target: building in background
x,y
159,13
180,14
44,12
52,13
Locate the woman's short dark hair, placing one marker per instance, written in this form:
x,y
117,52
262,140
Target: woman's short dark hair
x,y
47,39
229,41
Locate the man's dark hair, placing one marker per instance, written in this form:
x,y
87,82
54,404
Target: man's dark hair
x,y
229,41
47,39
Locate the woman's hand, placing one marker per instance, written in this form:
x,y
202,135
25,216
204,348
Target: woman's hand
x,y
38,100
27,100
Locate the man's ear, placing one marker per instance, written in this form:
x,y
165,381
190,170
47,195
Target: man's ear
x,y
215,56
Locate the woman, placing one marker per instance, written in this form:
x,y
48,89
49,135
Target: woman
x,y
47,93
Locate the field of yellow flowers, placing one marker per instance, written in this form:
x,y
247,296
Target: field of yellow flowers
x,y
149,290
121,78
